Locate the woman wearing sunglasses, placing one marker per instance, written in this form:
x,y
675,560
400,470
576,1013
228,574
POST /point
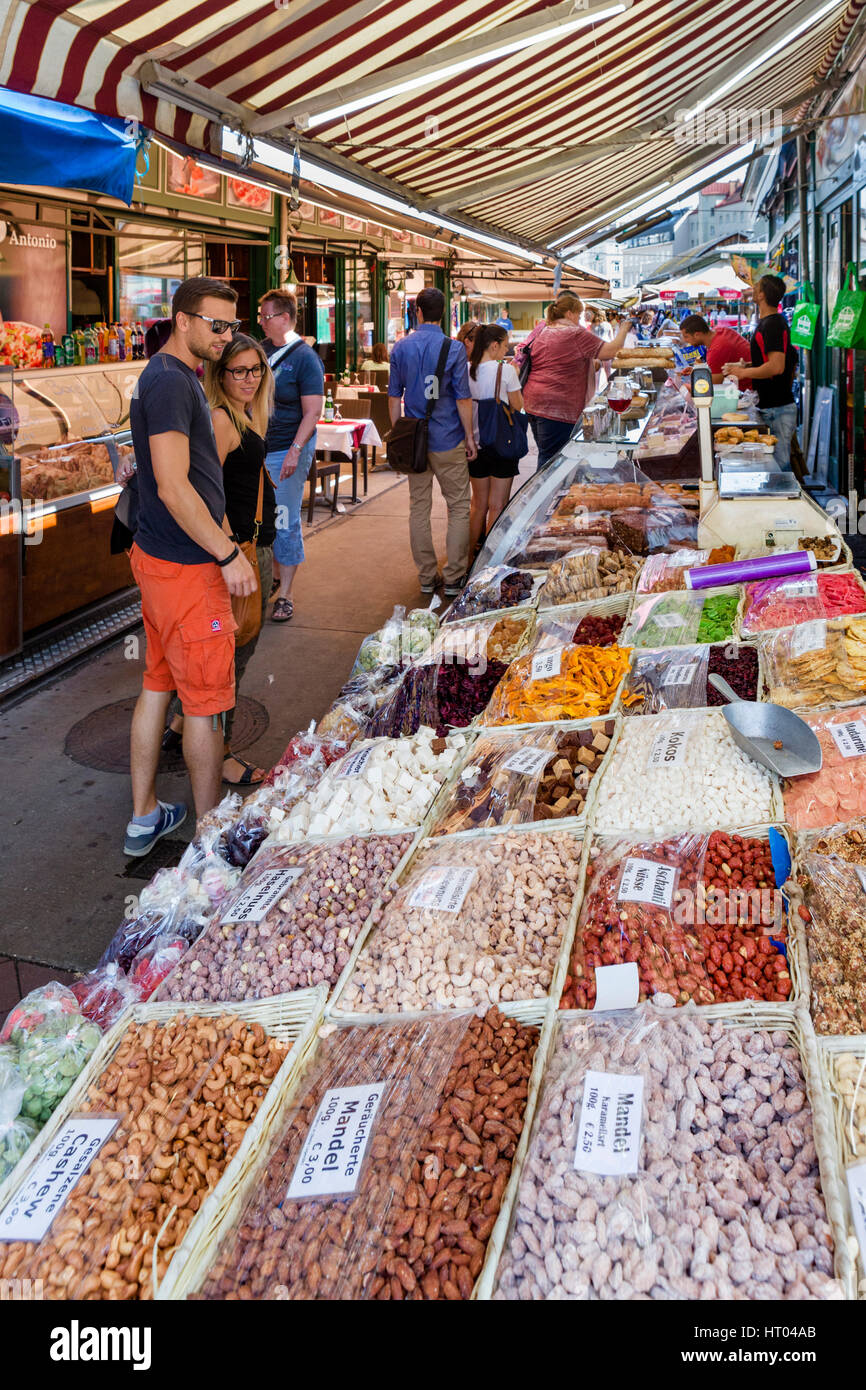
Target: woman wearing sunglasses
x,y
299,386
239,388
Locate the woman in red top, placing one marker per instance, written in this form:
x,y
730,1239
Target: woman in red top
x,y
562,376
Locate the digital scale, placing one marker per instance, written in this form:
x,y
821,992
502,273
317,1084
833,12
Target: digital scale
x,y
737,479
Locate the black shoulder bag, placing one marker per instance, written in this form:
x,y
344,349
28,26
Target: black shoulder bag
x,y
407,440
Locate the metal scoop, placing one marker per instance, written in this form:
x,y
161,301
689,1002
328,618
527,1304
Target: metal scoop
x,y
759,729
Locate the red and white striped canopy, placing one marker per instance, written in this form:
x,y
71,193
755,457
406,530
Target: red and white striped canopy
x,y
533,144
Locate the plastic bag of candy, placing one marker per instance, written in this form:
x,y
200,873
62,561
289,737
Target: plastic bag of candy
x,y
104,993
36,1008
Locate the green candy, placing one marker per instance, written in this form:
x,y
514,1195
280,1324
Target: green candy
x,y
717,618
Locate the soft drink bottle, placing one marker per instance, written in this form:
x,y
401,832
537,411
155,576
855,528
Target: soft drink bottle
x,y
78,337
69,349
48,356
91,346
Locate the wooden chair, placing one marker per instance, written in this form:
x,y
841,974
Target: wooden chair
x,y
320,469
360,409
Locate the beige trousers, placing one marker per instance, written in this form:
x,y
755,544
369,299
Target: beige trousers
x,y
450,470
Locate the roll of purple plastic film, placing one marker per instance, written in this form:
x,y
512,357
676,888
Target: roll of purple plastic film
x,y
744,571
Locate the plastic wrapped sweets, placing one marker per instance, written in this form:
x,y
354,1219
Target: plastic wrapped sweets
x,y
424,1119
671,1158
836,938
690,773
838,792
155,1160
820,662
691,919
538,774
678,677
475,921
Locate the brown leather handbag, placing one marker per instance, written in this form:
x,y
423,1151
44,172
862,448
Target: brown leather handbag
x,y
247,608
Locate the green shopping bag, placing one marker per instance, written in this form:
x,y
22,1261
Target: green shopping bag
x,y
848,329
805,318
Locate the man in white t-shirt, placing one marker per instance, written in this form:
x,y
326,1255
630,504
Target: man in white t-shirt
x,y
490,474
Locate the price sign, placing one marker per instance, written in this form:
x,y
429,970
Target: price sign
x,y
611,1119
850,738
546,664
442,889
809,637
529,761
336,1142
647,881
668,749
801,588
683,673
616,987
257,900
30,1211
354,763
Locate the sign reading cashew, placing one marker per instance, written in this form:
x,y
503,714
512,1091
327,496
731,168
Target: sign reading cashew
x,y
31,1210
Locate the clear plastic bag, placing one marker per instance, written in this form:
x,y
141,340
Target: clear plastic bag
x,y
534,775
838,792
383,785
568,682
584,574
776,603
40,1005
475,921
818,663
560,627
846,841
836,936
129,1210
104,993
50,1058
666,908
668,620
499,586
672,678
16,1131
308,755
293,922
680,1195
156,961
358,1234
664,573
690,773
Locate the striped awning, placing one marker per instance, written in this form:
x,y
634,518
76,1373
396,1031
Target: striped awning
x,y
538,143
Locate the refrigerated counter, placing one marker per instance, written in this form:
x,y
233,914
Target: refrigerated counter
x,y
63,434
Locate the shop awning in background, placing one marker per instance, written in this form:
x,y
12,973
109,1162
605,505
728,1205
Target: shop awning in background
x,y
546,143
46,143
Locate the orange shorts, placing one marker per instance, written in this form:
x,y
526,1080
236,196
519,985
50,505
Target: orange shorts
x,y
190,632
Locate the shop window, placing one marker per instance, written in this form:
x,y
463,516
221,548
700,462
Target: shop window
x,y
360,332
230,261
317,302
152,261
90,273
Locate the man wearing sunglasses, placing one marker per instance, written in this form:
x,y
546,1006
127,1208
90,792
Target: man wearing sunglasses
x,y
184,562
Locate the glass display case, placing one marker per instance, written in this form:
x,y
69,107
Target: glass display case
x,y
63,435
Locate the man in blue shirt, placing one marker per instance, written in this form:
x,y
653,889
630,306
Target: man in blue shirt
x,y
504,321
450,440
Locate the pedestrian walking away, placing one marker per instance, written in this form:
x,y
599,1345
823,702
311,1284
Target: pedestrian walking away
x,y
491,475
450,439
239,389
561,380
773,364
184,561
299,394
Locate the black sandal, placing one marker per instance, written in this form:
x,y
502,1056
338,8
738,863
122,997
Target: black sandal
x,y
172,741
246,778
283,610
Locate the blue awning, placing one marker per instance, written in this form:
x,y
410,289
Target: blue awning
x,y
57,146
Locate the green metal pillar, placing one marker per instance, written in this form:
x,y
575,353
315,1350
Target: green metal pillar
x,y
340,312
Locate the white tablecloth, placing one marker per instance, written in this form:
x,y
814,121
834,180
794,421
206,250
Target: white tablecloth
x,y
339,437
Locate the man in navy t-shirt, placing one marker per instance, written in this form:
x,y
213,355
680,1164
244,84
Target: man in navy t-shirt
x,y
184,562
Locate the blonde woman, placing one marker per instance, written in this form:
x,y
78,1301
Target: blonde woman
x,y
239,388
564,354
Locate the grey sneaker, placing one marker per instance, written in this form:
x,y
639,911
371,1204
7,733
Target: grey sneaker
x,y
452,590
140,839
430,587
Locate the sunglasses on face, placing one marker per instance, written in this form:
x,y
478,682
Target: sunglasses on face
x,y
219,325
263,318
244,373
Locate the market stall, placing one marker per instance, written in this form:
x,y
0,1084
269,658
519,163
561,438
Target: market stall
x,y
520,866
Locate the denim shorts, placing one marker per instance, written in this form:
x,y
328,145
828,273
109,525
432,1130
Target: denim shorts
x,y
288,542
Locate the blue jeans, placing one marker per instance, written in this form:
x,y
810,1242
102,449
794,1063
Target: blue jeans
x,y
781,420
288,543
550,436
